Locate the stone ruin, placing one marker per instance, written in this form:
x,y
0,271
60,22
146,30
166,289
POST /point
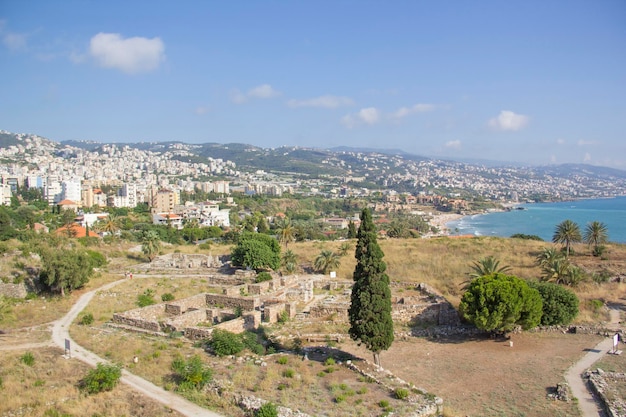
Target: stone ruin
x,y
244,305
188,261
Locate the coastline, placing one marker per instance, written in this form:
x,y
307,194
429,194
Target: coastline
x,y
441,220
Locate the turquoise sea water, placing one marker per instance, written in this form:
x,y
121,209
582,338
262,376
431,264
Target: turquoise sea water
x,y
541,219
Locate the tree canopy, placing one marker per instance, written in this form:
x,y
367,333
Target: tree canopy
x,y
566,233
560,305
65,269
499,303
370,301
256,251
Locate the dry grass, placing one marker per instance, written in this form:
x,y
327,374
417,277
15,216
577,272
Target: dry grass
x,y
51,385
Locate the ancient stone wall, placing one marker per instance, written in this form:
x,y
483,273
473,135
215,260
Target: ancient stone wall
x,y
236,290
272,312
179,307
260,288
143,318
13,290
327,309
228,301
190,318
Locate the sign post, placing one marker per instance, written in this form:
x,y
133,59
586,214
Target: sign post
x,y
68,352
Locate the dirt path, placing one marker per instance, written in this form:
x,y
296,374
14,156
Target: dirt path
x,y
589,407
60,333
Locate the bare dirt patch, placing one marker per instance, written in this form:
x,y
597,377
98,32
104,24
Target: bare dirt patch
x,y
486,377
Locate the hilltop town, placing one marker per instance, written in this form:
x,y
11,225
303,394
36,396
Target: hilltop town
x,y
125,175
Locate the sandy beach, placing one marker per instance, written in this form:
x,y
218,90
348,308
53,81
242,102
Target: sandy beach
x,y
440,220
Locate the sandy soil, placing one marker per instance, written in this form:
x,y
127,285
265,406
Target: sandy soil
x,y
487,377
440,220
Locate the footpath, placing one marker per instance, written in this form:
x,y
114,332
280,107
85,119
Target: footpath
x,y
60,333
588,405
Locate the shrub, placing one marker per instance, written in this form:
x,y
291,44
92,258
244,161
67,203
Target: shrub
x,y
204,246
251,342
329,361
560,305
595,305
598,250
266,410
283,317
289,373
146,299
262,277
167,297
225,343
191,374
282,360
526,237
401,393
97,259
383,403
498,303
103,378
28,359
86,319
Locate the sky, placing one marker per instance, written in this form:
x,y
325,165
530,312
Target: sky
x,y
533,82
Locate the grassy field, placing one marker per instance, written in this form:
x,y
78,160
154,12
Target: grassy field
x,y
474,376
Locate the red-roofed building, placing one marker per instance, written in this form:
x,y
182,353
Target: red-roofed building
x,y
74,230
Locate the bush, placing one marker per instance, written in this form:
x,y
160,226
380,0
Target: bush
x,y
97,259
383,403
191,374
103,378
262,277
282,360
401,393
595,305
28,359
560,305
167,297
329,361
289,373
266,410
598,251
86,319
526,237
225,343
498,303
146,299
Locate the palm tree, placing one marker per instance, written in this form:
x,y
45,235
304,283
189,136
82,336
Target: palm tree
x,y
290,261
109,225
567,232
596,234
556,270
286,232
344,248
150,244
326,261
487,266
548,255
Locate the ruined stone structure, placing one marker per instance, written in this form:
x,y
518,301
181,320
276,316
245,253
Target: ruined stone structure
x,y
13,290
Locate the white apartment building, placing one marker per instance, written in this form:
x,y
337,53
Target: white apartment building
x,y
71,190
5,194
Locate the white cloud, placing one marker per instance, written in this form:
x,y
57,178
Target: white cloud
x,y
417,108
587,157
507,120
368,115
202,110
560,141
14,41
131,55
453,144
327,102
263,91
587,142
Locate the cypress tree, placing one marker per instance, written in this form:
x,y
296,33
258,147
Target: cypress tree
x,y
370,306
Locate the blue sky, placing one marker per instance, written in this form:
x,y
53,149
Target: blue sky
x,y
537,82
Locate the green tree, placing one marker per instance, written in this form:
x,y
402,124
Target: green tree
x,y
498,303
566,233
560,305
65,269
256,251
487,266
596,234
150,244
351,230
191,374
286,232
370,301
290,261
110,225
103,378
326,261
6,309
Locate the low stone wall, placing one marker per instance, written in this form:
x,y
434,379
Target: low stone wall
x,y
259,288
272,312
327,309
236,290
198,333
190,318
13,290
229,301
143,318
179,307
600,383
222,279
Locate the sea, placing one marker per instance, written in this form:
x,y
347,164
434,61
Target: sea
x,y
541,219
